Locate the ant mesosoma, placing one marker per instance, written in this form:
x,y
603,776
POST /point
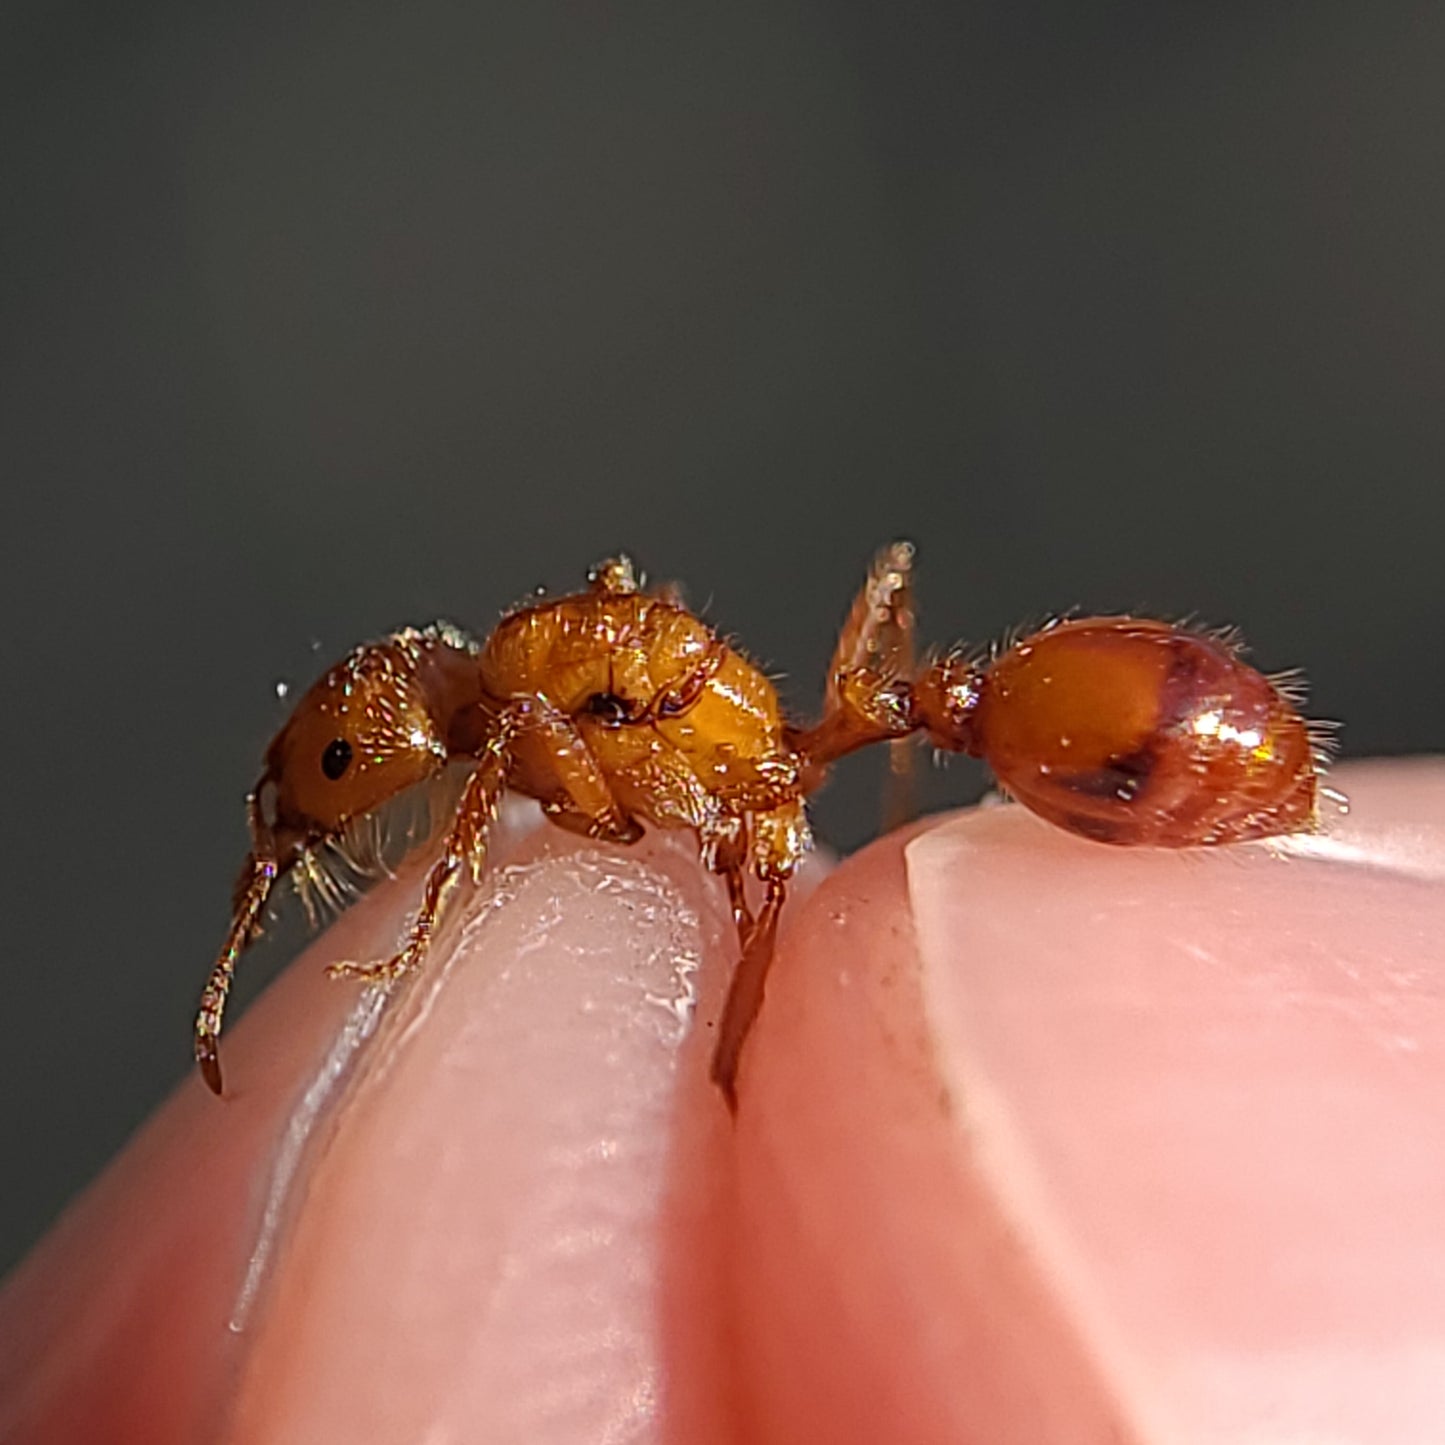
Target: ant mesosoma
x,y
618,707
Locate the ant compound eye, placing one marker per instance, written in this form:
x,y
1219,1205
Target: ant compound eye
x,y
336,759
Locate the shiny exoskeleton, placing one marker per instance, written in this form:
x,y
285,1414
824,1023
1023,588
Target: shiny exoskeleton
x,y
617,708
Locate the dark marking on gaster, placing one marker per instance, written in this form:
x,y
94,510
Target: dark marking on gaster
x,y
1123,778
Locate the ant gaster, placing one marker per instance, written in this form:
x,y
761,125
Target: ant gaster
x,y
618,707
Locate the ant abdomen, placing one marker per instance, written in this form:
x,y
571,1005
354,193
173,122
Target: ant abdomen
x,y
1130,731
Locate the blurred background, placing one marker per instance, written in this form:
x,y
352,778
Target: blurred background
x,y
319,319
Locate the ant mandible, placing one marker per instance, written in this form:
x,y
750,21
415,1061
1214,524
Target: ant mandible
x,y
618,707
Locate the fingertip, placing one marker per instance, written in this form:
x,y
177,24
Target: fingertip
x,y
117,1323
489,1206
487,1240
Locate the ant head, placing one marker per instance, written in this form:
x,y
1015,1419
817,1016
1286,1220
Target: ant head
x,y
361,735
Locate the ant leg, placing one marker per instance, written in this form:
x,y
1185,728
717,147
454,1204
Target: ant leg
x,y
745,994
780,838
609,830
584,801
896,639
726,852
465,846
879,630
868,695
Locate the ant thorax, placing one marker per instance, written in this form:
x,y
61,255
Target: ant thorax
x,y
681,726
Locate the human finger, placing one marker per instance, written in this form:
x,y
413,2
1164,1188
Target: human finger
x,y
1046,1141
449,1215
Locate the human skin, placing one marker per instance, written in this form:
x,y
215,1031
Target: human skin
x,y
1038,1141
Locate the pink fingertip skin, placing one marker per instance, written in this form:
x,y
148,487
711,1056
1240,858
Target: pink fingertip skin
x,y
491,1215
504,1175
1164,1165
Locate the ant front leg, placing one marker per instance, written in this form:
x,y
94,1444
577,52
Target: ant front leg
x,y
464,847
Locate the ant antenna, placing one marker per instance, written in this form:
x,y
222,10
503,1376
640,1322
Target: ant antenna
x,y
250,900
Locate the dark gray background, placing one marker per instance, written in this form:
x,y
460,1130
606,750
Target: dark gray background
x,y
321,319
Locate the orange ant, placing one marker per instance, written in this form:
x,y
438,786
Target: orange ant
x,y
618,707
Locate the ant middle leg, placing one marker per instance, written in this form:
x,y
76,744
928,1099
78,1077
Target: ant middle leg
x,y
727,853
780,837
745,992
561,768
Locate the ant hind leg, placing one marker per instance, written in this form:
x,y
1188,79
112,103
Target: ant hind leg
x,y
878,634
868,696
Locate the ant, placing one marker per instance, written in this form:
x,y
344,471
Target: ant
x,y
618,707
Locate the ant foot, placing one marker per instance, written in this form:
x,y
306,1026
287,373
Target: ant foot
x,y
380,971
